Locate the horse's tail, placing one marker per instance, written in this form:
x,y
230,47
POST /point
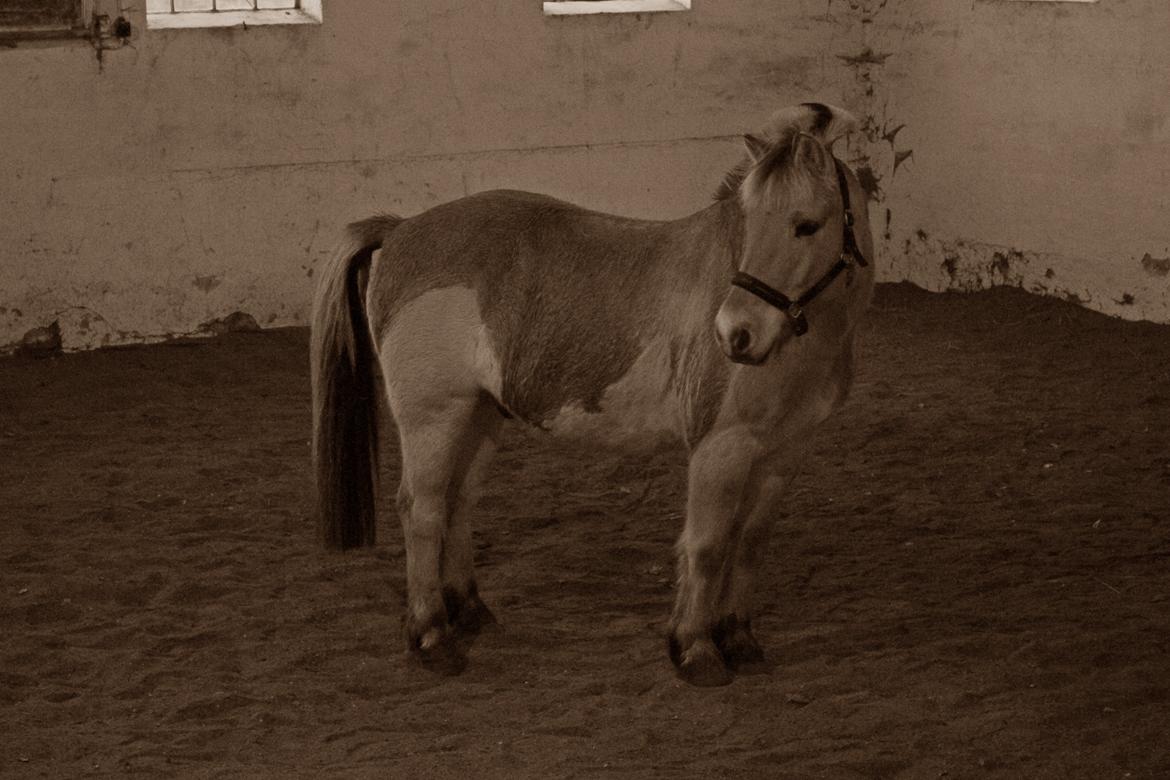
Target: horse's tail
x,y
345,391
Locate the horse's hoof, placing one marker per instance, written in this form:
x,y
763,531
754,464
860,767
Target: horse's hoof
x,y
445,660
474,616
468,613
437,652
431,639
740,650
747,660
702,665
435,646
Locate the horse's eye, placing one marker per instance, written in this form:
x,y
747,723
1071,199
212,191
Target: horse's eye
x,y
807,228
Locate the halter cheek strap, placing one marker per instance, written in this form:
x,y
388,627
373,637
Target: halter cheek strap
x,y
850,253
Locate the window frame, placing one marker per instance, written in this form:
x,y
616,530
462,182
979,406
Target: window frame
x,y
82,29
309,12
583,7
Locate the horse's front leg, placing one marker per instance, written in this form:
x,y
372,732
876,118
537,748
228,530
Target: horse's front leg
x,y
733,631
720,491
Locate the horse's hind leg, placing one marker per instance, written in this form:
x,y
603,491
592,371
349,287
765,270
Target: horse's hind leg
x,y
433,363
439,443
465,610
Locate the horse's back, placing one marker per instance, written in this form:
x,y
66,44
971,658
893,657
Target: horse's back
x,y
503,239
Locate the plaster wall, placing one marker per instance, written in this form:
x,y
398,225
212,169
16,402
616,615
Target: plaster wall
x,y
208,171
1032,144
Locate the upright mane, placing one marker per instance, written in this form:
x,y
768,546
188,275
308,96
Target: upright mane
x,y
774,145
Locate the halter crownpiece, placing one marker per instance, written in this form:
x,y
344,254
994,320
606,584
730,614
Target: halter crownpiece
x,y
850,253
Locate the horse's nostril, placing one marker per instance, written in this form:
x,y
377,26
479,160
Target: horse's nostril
x,y
741,339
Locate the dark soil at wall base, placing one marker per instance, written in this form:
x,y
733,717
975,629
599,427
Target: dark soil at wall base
x,y
971,579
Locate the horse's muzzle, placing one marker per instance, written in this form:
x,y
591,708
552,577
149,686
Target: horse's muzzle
x,y
740,345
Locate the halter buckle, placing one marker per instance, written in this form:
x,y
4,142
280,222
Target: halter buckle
x,y
799,323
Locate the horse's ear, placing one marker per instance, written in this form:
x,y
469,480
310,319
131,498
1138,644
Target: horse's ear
x,y
826,122
840,123
756,147
809,152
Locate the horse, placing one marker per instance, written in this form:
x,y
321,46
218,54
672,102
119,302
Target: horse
x,y
513,308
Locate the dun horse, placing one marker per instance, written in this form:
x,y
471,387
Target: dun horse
x,y
730,332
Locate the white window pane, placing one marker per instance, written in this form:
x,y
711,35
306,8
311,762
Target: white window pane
x,y
193,5
234,5
158,6
276,3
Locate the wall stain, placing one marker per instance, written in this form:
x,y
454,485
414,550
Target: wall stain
x,y
890,134
971,266
869,181
866,56
899,158
1143,125
236,322
41,342
950,264
207,283
1156,266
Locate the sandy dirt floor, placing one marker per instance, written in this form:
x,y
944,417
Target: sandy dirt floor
x,y
971,578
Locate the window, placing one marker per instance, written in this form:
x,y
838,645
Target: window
x,y
572,7
44,18
230,13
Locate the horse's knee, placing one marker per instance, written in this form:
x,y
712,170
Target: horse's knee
x,y
703,560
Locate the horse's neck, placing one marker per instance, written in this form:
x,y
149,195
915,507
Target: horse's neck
x,y
701,250
715,235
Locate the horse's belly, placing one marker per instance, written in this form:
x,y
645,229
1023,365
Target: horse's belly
x,y
637,412
642,430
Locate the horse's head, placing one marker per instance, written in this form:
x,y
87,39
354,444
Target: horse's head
x,y
797,233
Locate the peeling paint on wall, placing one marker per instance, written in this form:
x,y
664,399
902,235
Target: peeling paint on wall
x,y
41,342
207,283
1004,153
236,322
967,266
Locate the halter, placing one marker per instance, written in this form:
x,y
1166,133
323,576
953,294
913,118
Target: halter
x,y
795,309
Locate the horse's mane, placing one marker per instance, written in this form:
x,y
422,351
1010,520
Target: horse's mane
x,y
824,122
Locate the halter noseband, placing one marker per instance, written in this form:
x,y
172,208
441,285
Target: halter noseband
x,y
795,309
